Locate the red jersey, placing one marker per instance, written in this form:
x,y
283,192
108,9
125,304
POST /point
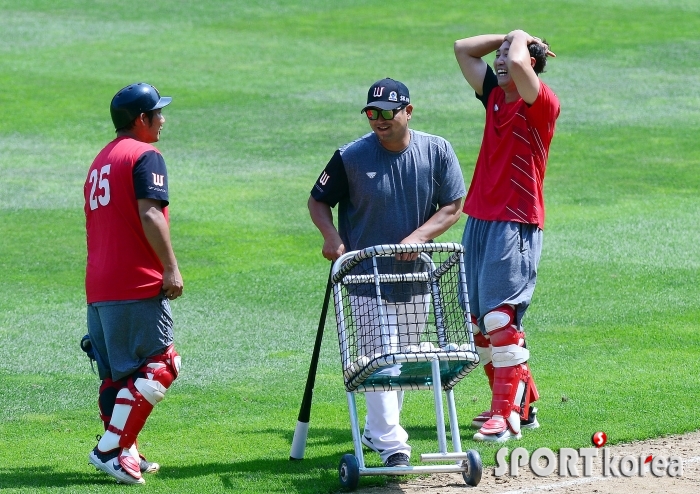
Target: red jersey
x,y
509,174
121,264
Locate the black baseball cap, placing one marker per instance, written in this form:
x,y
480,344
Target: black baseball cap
x,y
387,94
133,100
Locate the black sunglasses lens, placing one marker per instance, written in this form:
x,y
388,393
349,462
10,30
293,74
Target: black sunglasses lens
x,y
373,113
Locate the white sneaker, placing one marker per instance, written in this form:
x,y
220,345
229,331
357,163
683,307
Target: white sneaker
x,y
531,422
368,442
109,464
148,466
145,466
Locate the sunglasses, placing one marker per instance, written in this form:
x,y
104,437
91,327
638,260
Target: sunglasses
x,y
373,113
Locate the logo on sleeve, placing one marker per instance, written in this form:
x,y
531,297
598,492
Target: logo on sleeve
x,y
158,179
323,179
371,174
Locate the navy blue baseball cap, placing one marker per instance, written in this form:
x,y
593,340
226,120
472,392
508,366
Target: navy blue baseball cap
x,y
387,94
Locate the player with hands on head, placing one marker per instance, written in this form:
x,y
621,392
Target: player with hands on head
x,y
393,185
505,205
131,277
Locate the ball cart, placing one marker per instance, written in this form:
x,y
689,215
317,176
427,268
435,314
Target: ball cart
x,y
404,325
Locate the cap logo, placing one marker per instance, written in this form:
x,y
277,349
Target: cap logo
x,y
393,96
378,91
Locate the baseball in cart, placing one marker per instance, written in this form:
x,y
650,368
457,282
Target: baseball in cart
x,y
404,325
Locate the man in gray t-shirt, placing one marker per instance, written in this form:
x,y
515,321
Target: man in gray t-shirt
x,y
393,185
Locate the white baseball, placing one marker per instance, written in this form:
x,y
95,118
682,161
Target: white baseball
x,y
361,362
426,347
349,372
451,347
355,367
411,349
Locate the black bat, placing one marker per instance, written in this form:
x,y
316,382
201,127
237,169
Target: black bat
x,y
302,429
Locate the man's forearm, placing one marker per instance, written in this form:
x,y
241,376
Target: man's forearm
x,y
438,224
479,46
322,217
158,235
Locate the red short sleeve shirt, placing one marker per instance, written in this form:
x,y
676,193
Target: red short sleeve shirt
x,y
121,264
508,178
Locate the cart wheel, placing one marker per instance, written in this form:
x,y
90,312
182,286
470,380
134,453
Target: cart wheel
x,y
349,472
472,468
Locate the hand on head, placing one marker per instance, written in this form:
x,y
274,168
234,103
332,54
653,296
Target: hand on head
x,y
529,40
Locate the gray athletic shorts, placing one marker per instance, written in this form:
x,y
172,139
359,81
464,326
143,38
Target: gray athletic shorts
x,y
501,259
124,334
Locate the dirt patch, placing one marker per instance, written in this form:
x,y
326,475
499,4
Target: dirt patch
x,y
686,447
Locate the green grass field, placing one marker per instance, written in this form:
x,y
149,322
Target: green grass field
x,y
264,92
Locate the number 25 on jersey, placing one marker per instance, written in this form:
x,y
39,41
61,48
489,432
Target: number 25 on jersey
x,y
101,183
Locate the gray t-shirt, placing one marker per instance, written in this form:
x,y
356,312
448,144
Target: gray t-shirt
x,y
384,196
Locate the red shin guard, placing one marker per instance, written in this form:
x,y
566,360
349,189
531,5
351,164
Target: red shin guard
x,y
512,379
140,410
507,396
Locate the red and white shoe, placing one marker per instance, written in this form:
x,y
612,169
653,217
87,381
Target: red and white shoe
x,y
130,464
481,419
496,430
531,422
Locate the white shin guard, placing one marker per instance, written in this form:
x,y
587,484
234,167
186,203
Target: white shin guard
x,y
508,356
110,439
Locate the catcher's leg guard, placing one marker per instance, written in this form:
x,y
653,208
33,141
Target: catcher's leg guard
x,y
511,376
107,396
129,403
158,374
532,389
134,403
508,354
483,348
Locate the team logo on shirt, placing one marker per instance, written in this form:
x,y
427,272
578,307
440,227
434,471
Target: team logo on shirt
x,y
371,174
158,179
323,179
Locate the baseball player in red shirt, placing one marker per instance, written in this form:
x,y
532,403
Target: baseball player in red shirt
x,y
131,277
505,204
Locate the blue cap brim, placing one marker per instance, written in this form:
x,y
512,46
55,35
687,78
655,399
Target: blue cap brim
x,y
382,105
164,101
